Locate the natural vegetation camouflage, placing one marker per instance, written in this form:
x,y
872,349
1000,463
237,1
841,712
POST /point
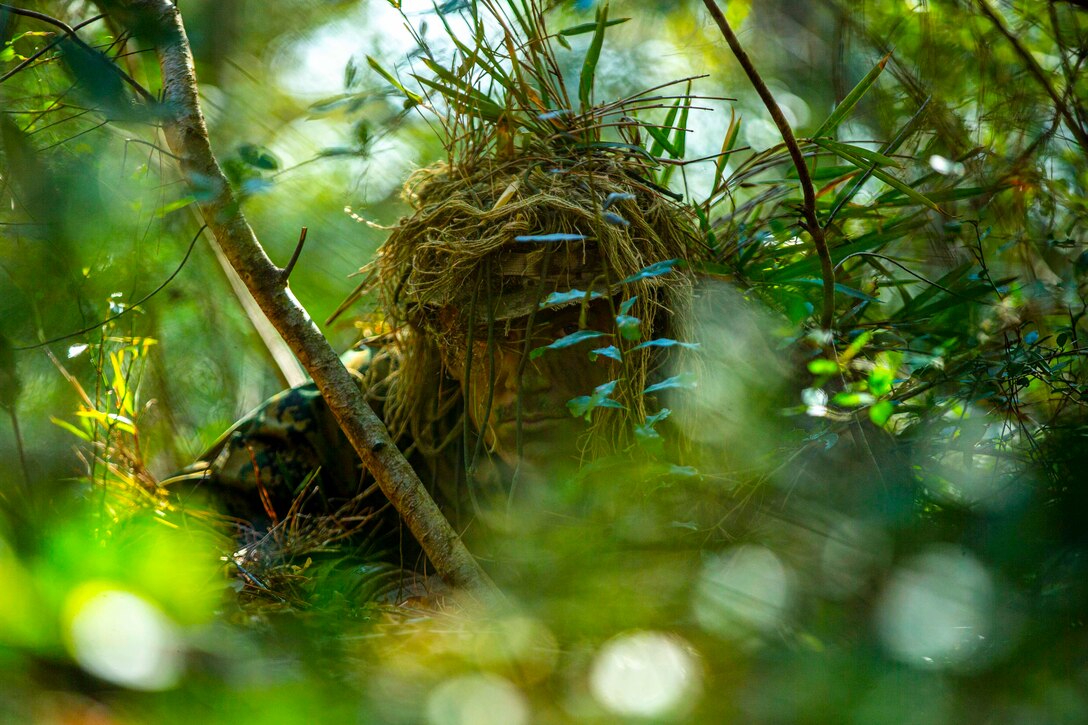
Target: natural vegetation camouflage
x,y
291,446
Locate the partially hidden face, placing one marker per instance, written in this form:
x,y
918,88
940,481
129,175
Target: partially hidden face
x,y
549,433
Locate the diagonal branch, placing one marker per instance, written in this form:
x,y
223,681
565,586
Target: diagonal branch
x,y
1040,75
71,33
159,22
808,206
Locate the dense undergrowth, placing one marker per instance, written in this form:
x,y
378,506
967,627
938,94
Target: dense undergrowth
x,y
876,522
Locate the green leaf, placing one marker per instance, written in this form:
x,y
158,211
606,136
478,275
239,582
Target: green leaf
x,y
851,151
174,206
611,351
667,342
627,304
10,385
918,197
661,141
730,140
652,420
593,54
832,122
822,366
683,381
550,238
79,433
852,400
567,341
654,270
584,405
681,139
589,27
561,298
413,97
880,412
630,328
258,157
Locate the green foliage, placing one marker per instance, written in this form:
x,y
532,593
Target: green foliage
x,y
879,524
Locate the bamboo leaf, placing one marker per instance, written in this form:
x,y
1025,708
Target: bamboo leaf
x,y
593,54
849,150
846,152
413,97
730,140
589,27
832,122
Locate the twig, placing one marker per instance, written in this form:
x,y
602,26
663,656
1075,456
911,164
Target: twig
x,y
45,49
286,272
808,207
71,33
128,309
1040,75
187,135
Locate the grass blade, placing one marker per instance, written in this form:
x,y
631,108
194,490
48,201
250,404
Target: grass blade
x,y
593,54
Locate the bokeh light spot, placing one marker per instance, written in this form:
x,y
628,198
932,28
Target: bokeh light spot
x,y
742,592
483,699
937,609
122,638
647,674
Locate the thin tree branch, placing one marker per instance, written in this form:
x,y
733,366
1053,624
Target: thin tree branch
x,y
45,49
1040,75
159,21
71,33
286,271
808,206
128,309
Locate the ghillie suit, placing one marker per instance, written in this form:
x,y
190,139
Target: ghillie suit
x,y
535,209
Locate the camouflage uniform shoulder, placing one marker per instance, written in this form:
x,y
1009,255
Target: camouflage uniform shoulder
x,y
271,454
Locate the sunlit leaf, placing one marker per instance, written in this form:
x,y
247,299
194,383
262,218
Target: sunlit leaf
x,y
843,109
593,54
589,27
822,366
413,97
852,400
880,412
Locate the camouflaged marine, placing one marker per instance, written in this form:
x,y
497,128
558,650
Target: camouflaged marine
x,y
510,353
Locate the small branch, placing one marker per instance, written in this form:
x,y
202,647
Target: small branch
x,y
128,309
808,207
71,33
286,271
187,135
1040,75
45,49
